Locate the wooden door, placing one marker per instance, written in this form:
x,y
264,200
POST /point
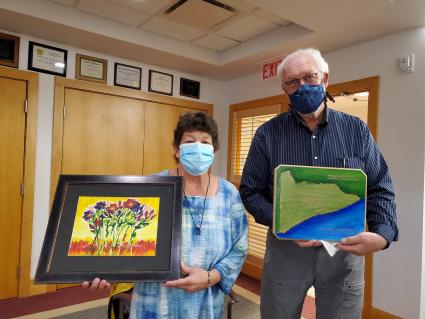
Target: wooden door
x,y
13,94
161,120
102,134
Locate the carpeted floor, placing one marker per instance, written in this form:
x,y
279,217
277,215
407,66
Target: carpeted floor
x,y
94,313
243,309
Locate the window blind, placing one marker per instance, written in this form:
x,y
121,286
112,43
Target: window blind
x,y
244,125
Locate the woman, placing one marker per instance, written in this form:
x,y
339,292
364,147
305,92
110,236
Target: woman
x,y
214,232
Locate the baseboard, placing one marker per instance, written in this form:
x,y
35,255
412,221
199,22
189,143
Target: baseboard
x,y
380,314
37,289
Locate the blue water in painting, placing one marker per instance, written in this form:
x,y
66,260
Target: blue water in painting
x,y
332,226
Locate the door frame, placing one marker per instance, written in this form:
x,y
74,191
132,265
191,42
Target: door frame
x,y
25,287
371,85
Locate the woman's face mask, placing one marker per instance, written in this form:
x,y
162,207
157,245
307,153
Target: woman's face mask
x,y
196,157
307,98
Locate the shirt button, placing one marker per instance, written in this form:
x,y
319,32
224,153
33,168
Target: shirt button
x,y
314,136
315,157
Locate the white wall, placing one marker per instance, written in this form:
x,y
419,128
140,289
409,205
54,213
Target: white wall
x,y
210,93
397,280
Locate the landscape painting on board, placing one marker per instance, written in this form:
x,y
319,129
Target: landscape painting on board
x,y
318,203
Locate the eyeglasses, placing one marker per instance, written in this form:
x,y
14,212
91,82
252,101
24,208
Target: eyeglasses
x,y
312,78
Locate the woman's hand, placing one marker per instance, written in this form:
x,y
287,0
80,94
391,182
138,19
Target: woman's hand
x,y
97,285
196,280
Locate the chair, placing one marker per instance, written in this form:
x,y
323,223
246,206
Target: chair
x,y
119,304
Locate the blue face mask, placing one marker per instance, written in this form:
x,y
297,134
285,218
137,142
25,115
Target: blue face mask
x,y
307,98
196,158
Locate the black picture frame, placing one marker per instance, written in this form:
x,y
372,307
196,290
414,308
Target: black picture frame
x,y
9,50
190,88
61,261
47,59
127,76
160,82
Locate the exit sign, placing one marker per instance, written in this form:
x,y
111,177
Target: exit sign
x,y
269,68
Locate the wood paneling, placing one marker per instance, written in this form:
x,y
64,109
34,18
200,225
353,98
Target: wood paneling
x,y
27,161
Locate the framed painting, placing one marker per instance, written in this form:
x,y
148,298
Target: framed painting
x,y
119,228
47,59
9,50
318,203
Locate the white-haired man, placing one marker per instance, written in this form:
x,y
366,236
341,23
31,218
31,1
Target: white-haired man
x,y
311,134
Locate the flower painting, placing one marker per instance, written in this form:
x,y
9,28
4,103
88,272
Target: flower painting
x,y
318,203
115,226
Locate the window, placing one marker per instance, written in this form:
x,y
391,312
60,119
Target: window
x,y
245,119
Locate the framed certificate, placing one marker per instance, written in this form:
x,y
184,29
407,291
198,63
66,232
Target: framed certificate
x,y
91,69
189,88
47,59
128,76
119,228
318,203
9,50
160,82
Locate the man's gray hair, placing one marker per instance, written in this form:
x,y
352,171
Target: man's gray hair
x,y
314,53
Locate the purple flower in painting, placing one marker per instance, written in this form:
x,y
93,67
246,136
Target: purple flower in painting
x,y
88,214
100,205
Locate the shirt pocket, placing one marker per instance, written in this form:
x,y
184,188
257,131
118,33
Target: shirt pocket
x,y
350,162
345,161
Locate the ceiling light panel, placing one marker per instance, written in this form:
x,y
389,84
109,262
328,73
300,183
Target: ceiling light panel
x,y
246,28
198,14
112,11
148,6
172,29
215,42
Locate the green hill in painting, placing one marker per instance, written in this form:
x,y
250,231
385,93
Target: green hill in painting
x,y
300,200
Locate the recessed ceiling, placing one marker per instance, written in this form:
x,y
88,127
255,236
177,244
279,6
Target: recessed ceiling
x,y
221,39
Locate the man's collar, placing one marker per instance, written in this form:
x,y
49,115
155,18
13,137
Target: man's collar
x,y
301,121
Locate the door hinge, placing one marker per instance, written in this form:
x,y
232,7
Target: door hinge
x,y
64,110
26,106
22,188
18,272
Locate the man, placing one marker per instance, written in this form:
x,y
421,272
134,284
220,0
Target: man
x,y
311,134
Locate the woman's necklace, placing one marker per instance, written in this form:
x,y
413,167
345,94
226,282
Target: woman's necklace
x,y
198,228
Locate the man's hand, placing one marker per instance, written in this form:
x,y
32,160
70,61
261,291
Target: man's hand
x,y
308,243
362,244
97,285
196,280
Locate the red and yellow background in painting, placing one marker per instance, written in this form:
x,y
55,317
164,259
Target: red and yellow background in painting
x,y
143,244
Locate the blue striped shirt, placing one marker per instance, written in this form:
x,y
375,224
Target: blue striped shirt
x,y
340,140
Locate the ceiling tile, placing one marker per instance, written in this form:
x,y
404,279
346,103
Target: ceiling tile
x,y
215,42
198,14
246,28
271,17
69,3
171,29
148,6
112,11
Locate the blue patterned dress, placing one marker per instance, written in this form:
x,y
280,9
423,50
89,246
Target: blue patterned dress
x,y
222,245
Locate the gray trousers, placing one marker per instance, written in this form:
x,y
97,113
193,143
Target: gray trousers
x,y
289,271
